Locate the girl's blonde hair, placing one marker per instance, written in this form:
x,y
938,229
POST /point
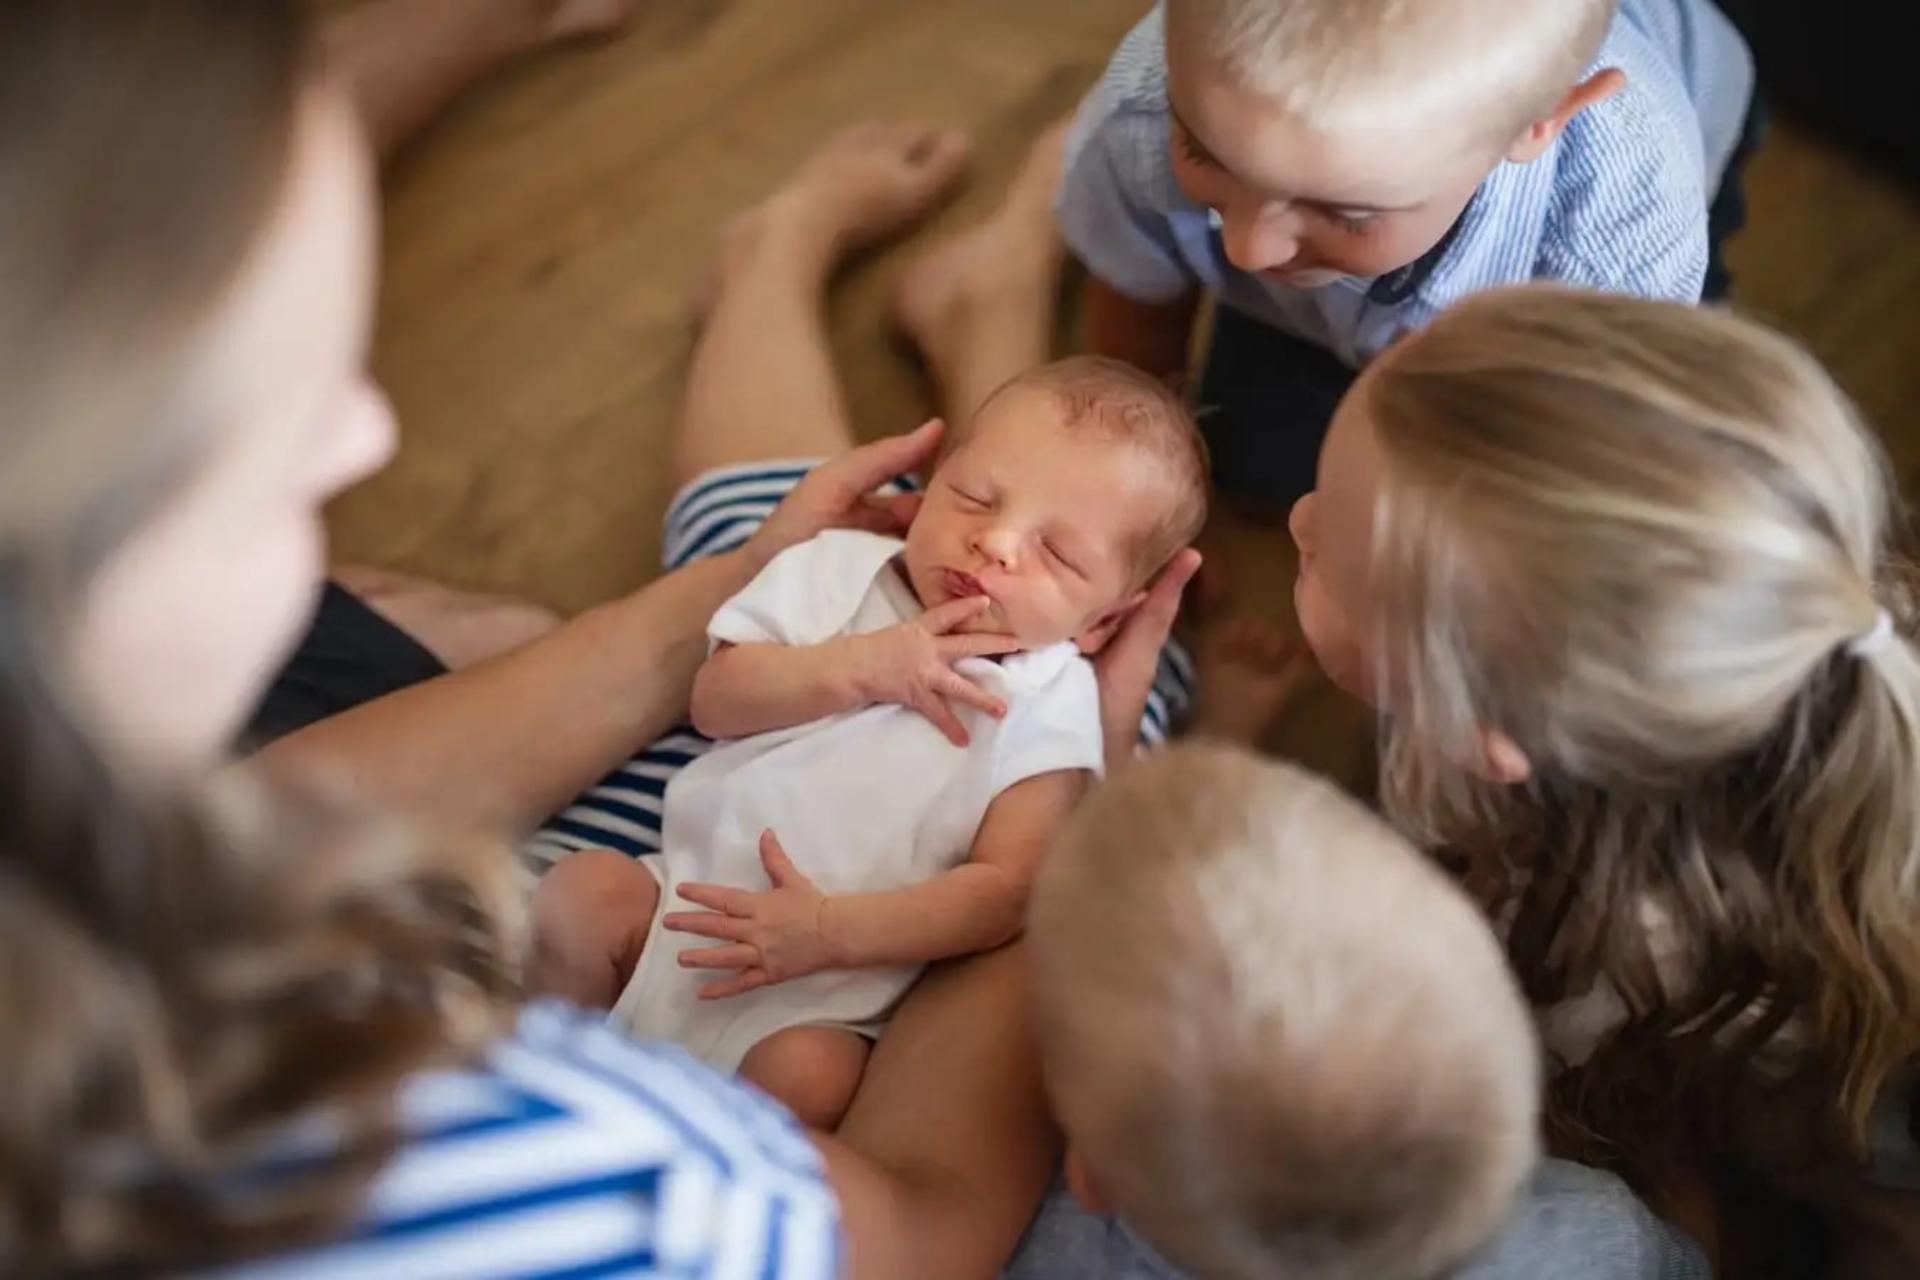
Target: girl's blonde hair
x,y
1650,544
181,976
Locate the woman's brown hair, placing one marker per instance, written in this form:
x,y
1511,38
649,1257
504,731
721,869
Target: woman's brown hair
x,y
181,976
1651,544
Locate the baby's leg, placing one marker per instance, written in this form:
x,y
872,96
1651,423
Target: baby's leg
x,y
591,915
763,384
814,1070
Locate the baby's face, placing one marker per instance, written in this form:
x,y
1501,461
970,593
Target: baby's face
x,y
1302,209
1042,519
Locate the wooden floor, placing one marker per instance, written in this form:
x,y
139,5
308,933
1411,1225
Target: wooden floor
x,y
544,237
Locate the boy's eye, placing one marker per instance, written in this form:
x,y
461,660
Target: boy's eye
x,y
1354,221
967,497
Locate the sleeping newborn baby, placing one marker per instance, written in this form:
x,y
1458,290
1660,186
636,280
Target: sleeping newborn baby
x,y
905,723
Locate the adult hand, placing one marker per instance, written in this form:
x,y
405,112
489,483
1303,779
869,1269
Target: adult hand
x,y
840,494
1126,666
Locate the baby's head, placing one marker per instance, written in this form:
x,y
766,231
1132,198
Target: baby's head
x,y
1279,1041
1072,486
1344,137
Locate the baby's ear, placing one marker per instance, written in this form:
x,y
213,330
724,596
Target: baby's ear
x,y
1095,637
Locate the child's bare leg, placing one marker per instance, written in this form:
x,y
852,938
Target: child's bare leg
x,y
461,628
405,59
981,306
763,383
814,1070
591,916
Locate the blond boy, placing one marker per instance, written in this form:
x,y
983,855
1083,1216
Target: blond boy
x,y
1280,1042
1338,171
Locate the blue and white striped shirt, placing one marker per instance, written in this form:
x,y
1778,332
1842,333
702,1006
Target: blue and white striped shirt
x,y
1619,202
570,1150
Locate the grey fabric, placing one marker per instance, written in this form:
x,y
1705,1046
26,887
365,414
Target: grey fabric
x,y
1572,1223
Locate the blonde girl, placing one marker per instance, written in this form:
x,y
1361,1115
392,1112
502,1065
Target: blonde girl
x,y
1619,576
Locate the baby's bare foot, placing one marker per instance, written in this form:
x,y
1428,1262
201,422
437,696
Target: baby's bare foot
x,y
1004,269
1251,673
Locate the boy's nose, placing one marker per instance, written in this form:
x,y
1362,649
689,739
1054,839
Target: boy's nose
x,y
1260,237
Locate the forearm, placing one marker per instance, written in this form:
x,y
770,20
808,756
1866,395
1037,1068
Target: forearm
x,y
510,741
752,688
974,907
939,1192
1150,336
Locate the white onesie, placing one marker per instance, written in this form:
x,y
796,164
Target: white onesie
x,y
863,801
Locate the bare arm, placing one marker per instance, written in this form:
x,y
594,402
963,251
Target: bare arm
x,y
977,906
510,741
752,688
746,689
792,929
1151,336
949,1145
507,742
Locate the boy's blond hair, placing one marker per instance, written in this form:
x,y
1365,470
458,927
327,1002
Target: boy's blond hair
x,y
1494,65
1279,1040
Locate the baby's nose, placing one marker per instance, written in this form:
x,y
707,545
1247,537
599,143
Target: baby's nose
x,y
1000,546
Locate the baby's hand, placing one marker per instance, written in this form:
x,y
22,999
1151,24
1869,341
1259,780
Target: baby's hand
x,y
772,935
912,664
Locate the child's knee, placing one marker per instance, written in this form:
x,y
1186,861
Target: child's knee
x,y
591,914
814,1070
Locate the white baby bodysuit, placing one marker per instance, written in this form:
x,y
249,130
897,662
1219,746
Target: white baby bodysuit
x,y
863,801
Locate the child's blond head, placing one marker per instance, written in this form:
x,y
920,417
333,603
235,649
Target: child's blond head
x,y
1648,545
1279,1041
1345,65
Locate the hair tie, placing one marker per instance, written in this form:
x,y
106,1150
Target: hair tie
x,y
1874,638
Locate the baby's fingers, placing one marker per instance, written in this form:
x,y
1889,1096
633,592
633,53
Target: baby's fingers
x,y
735,957
741,983
935,708
717,897
984,645
952,684
945,617
706,924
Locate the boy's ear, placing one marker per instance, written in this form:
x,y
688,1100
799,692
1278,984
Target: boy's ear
x,y
1080,1182
1095,637
1591,92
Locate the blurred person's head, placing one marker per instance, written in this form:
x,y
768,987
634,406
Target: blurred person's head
x,y
1279,1041
186,265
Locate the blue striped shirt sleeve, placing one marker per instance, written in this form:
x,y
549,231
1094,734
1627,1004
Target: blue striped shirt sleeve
x,y
573,1151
